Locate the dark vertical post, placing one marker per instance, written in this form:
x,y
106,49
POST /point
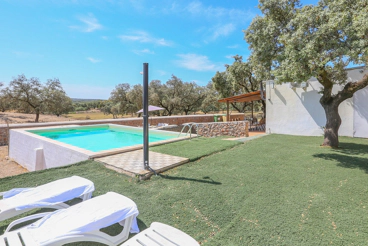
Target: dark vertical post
x,y
145,116
227,111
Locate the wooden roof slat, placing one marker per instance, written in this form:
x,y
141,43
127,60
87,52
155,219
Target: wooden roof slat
x,y
248,97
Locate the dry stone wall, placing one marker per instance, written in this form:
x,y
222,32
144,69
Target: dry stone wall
x,y
215,129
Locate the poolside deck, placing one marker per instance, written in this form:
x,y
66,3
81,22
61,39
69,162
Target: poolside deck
x,y
131,163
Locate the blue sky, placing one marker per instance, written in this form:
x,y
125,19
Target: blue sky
x,y
93,45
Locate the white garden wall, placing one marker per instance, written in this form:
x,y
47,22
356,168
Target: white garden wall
x,y
297,111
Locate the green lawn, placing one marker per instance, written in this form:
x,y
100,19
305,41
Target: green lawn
x,y
274,190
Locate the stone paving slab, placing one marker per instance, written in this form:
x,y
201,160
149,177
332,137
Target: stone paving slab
x,y
131,163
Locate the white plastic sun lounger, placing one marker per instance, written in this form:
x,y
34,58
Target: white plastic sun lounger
x,y
159,234
50,195
80,222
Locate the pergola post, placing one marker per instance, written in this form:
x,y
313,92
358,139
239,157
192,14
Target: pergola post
x,y
227,111
248,97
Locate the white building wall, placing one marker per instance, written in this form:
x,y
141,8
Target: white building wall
x,y
297,111
361,113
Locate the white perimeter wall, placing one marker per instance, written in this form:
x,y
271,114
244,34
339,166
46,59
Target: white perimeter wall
x,y
298,111
34,153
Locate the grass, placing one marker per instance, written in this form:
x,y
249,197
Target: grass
x,y
196,147
274,190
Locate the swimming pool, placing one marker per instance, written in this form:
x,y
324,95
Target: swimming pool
x,y
48,147
105,137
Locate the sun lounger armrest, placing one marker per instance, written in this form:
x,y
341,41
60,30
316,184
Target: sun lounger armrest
x,y
27,218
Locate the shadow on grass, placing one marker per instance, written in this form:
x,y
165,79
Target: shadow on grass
x,y
352,149
206,179
346,160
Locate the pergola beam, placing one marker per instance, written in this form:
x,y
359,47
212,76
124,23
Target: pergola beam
x,y
248,97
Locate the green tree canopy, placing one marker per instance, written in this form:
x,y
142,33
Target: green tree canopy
x,y
29,95
135,100
119,97
239,78
56,101
295,43
166,95
210,101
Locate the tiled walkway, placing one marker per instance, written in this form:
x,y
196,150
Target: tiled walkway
x,y
131,163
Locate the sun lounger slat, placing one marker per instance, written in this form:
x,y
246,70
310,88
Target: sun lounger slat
x,y
27,239
2,241
13,239
162,235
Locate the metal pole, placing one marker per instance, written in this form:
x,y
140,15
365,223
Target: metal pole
x,y
145,116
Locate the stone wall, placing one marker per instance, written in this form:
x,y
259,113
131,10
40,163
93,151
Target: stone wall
x,y
171,120
233,128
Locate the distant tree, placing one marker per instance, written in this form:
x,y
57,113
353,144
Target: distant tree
x,y
210,101
191,96
106,109
56,100
166,96
119,96
4,100
135,99
27,94
295,43
115,110
30,96
244,79
239,78
223,85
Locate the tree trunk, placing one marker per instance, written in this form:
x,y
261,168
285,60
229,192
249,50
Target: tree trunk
x,y
37,116
264,108
333,122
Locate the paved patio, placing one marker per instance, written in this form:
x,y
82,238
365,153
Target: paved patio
x,y
131,163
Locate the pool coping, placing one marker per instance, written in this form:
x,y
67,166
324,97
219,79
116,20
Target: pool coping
x,y
84,154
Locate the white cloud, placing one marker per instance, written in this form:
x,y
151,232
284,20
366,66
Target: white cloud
x,y
224,30
93,60
144,37
144,51
223,21
237,15
91,24
196,62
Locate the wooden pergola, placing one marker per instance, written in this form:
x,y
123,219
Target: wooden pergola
x,y
248,97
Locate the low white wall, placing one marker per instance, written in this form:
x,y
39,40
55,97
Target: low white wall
x,y
298,111
34,153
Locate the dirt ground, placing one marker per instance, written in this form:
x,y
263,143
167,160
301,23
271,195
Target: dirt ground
x,y
7,166
14,118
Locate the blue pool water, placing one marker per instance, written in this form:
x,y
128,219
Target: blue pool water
x,y
103,137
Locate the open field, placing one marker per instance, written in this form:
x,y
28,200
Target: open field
x,y
92,115
15,118
274,190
